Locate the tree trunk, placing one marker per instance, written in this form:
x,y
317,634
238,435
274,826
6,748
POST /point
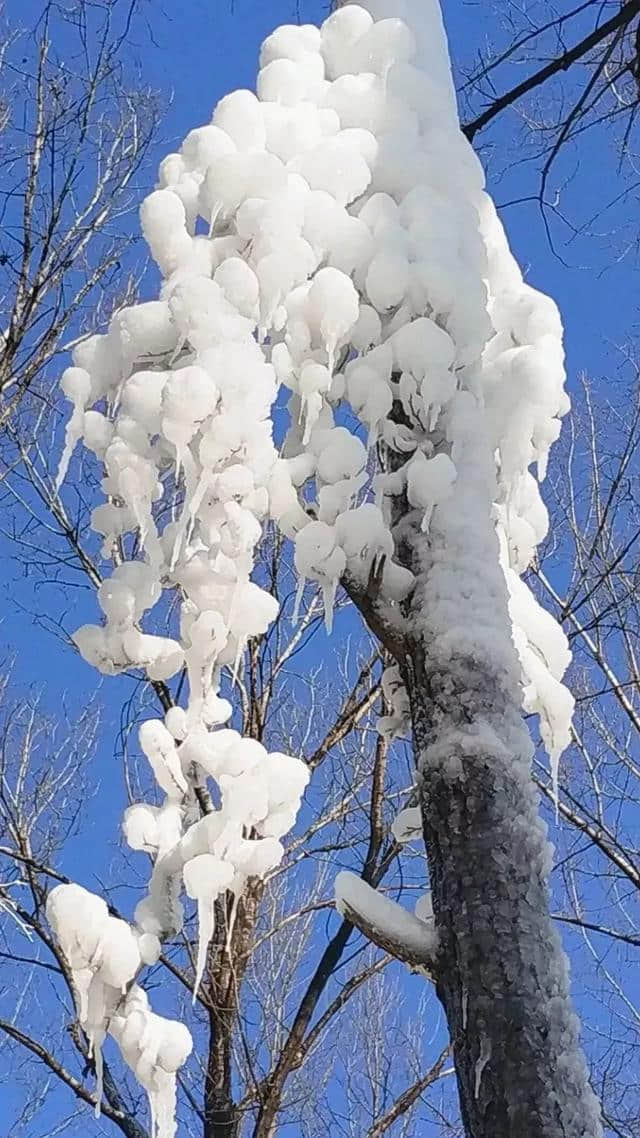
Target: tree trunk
x,y
501,973
226,965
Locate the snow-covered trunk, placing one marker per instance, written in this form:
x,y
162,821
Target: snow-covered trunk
x,y
501,973
501,976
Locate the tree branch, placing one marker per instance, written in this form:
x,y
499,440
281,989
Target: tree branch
x,y
124,1121
406,1100
561,63
386,924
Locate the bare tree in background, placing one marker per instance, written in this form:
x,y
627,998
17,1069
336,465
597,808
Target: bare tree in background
x,y
550,96
600,42
76,124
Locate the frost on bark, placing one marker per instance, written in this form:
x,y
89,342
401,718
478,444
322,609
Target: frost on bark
x,y
500,973
332,237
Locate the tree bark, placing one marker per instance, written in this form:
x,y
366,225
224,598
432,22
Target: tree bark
x,y
501,973
226,966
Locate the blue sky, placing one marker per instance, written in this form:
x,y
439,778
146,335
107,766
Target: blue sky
x,y
198,54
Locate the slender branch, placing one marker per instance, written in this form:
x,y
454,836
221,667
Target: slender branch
x,y
408,1098
124,1121
580,923
561,63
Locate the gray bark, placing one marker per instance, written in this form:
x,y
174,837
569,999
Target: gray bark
x,y
501,973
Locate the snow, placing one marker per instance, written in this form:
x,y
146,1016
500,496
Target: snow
x,y
387,279
153,1048
407,826
429,483
140,827
395,695
333,308
104,956
353,258
162,753
339,35
318,557
424,908
291,41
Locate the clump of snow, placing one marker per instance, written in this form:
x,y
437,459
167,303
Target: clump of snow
x,y
398,722
407,826
429,483
104,955
155,1049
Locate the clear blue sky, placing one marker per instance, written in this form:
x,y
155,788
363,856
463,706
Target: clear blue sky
x,y
203,49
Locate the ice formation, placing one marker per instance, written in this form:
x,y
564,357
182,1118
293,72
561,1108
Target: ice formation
x,y
105,954
346,251
398,722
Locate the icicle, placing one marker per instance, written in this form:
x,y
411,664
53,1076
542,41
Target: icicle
x,y
177,351
481,1062
73,434
192,504
232,922
76,384
184,460
554,758
329,590
82,988
152,1096
298,599
310,409
163,1108
331,357
236,663
206,928
146,525
215,213
96,1054
163,1126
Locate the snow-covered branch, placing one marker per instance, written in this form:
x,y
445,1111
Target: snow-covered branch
x,y
395,930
